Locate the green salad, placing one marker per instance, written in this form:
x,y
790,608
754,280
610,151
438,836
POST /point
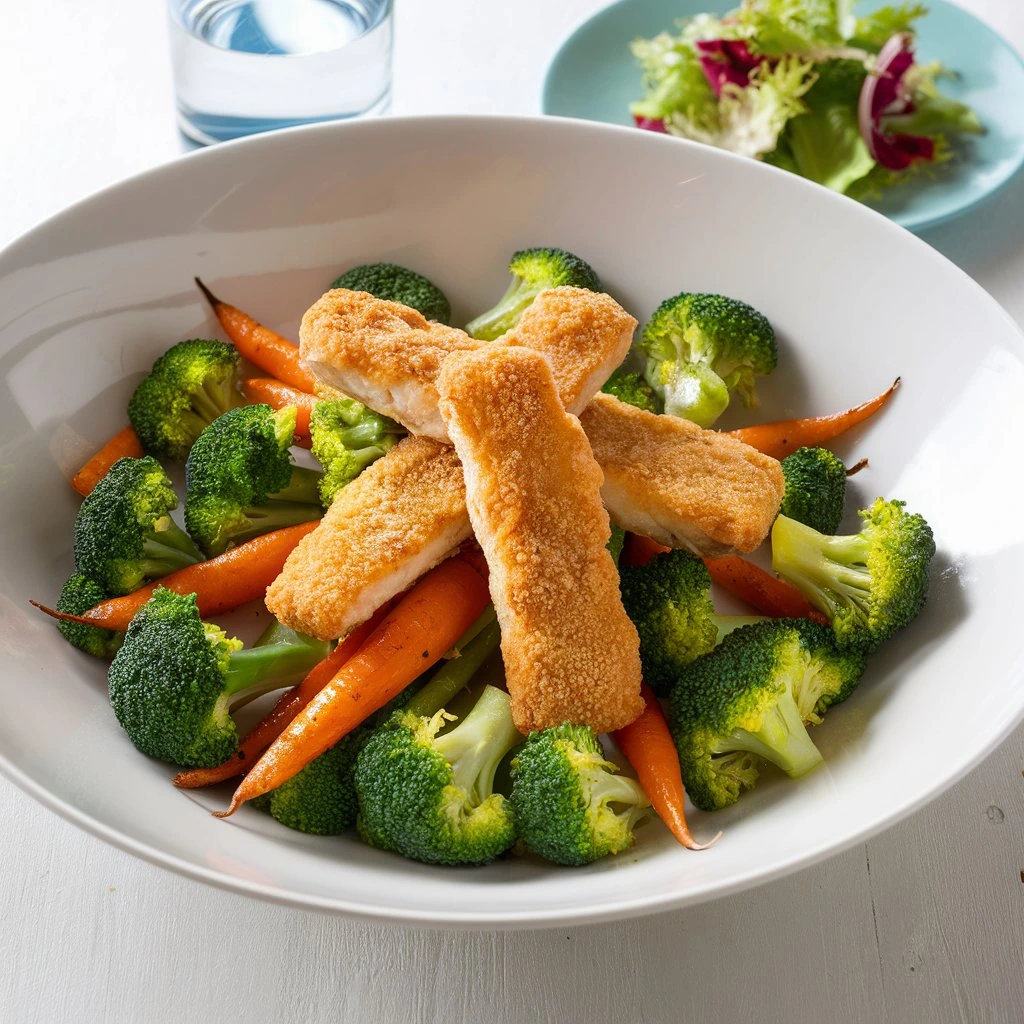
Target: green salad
x,y
808,86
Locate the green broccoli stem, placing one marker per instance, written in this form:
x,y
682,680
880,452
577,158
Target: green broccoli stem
x,y
822,567
214,399
275,515
727,623
607,787
495,322
167,548
476,746
454,675
365,433
258,670
302,489
781,739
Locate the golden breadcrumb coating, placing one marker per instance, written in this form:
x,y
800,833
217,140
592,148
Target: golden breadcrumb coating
x,y
584,334
400,517
668,479
382,353
388,355
533,488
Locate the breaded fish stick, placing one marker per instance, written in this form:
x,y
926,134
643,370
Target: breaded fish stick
x,y
682,486
396,520
571,653
388,356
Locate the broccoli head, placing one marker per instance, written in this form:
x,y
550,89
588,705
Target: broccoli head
x,y
398,284
190,385
749,701
533,271
570,805
348,437
176,679
700,348
77,596
124,533
430,797
632,389
669,601
815,488
240,481
870,584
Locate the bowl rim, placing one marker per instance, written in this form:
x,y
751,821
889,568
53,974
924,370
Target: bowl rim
x,y
608,909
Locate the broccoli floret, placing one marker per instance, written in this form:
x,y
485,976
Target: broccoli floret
x,y
430,797
870,584
632,389
533,271
570,806
77,596
240,481
815,488
750,700
176,679
348,437
190,385
124,533
398,284
700,348
669,601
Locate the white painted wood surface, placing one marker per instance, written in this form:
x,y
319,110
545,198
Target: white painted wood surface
x,y
925,923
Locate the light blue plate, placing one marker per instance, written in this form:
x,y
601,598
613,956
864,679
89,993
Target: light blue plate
x,y
593,76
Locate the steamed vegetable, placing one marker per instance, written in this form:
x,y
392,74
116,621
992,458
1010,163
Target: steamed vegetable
x,y
398,284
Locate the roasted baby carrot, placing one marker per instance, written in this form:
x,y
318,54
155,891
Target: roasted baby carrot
x,y
425,623
263,347
760,589
289,704
785,436
124,444
640,550
220,584
648,746
278,396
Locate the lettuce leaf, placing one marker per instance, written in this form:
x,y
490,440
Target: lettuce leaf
x,y
826,142
804,27
750,120
674,81
874,30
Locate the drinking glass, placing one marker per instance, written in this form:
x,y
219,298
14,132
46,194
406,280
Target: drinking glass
x,y
245,66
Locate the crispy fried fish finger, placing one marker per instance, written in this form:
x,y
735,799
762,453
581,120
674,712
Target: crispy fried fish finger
x,y
398,519
533,489
388,356
668,479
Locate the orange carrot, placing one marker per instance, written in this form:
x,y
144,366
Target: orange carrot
x,y
640,550
648,746
124,444
277,395
260,345
785,436
220,584
760,589
289,704
424,624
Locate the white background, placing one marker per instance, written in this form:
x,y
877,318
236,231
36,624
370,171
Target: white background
x,y
925,923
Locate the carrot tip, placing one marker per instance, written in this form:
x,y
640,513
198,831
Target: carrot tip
x,y
692,845
64,616
229,810
207,294
857,467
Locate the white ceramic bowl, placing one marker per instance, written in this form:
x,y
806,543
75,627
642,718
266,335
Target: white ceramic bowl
x,y
92,296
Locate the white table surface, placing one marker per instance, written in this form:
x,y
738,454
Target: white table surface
x,y
924,923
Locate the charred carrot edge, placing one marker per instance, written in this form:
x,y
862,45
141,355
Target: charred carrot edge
x,y
648,746
220,584
417,632
124,444
785,436
268,728
272,392
263,347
